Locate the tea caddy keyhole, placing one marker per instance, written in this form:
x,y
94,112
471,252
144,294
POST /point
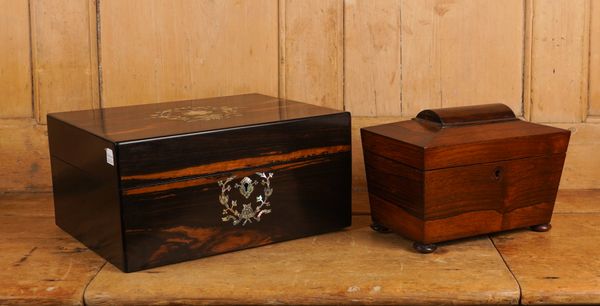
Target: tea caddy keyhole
x,y
498,172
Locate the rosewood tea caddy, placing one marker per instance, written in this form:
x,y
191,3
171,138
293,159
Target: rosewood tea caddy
x,y
154,184
458,172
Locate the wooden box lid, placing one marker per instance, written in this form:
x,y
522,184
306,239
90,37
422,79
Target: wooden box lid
x,y
131,123
180,141
459,136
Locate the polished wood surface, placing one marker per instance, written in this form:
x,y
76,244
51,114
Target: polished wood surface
x,y
129,123
475,114
544,227
143,163
578,170
558,267
425,145
178,224
460,172
160,202
86,190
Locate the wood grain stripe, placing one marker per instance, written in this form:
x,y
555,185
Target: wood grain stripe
x,y
240,163
213,179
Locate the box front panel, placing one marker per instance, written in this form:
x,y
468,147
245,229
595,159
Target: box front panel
x,y
532,185
278,181
490,197
235,210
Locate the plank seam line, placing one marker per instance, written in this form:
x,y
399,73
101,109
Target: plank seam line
x,y
587,57
280,52
99,55
31,65
531,32
586,213
343,68
524,59
509,269
400,47
91,280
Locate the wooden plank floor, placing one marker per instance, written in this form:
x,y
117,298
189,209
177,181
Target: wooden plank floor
x,y
42,265
561,266
39,263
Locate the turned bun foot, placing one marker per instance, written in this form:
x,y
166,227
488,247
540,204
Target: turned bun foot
x,y
541,227
424,248
380,228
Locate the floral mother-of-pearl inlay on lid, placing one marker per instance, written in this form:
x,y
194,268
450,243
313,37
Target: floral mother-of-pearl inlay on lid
x,y
198,113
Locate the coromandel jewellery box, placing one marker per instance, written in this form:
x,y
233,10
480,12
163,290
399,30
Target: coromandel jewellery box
x,y
457,172
154,184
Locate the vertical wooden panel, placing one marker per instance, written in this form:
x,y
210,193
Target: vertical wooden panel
x,y
461,53
173,50
372,73
15,61
65,70
594,68
559,61
312,52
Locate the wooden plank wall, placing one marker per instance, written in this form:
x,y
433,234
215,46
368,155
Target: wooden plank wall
x,y
311,47
185,49
63,53
382,60
15,64
460,53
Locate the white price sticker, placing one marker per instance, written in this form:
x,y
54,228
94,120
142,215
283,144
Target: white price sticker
x,y
109,157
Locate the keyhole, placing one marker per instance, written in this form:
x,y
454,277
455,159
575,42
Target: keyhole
x,y
498,173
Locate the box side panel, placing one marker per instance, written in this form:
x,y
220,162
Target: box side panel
x,y
396,218
395,189
395,183
390,148
189,214
86,197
